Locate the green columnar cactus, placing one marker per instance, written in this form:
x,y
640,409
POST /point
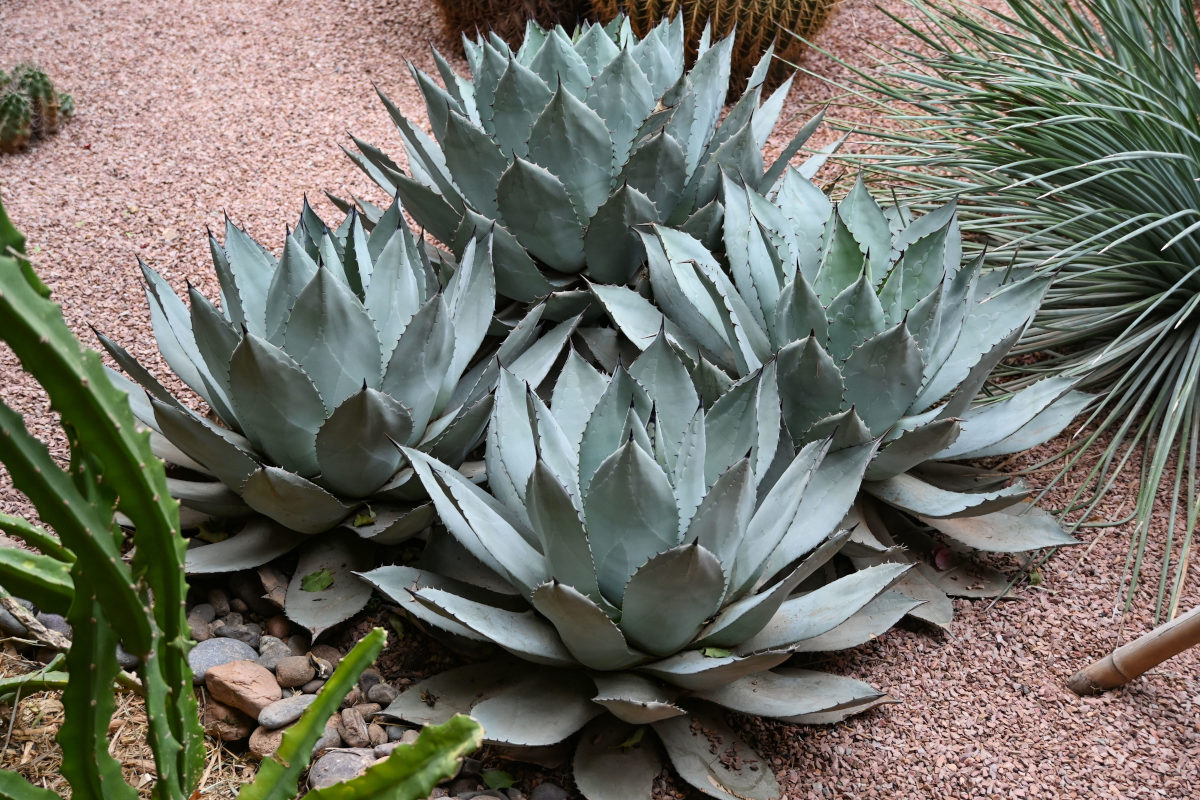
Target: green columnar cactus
x,y
16,122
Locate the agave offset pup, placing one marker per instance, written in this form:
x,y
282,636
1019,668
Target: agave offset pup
x,y
559,148
625,558
872,326
318,366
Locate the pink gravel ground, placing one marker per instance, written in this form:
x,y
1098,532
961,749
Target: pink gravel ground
x,y
189,110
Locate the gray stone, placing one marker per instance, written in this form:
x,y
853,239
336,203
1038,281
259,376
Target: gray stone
x,y
464,785
298,644
354,729
286,711
126,659
370,677
271,651
549,791
247,632
204,612
9,624
248,587
201,631
239,605
313,686
384,750
382,693
55,622
232,618
470,766
410,736
294,671
215,652
339,765
394,732
330,738
219,601
514,793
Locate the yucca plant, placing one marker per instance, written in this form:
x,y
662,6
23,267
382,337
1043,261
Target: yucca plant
x,y
318,366
559,148
754,24
1068,133
646,562
869,324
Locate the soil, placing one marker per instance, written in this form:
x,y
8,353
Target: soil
x,y
189,110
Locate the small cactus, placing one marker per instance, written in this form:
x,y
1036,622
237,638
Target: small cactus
x,y
16,122
30,107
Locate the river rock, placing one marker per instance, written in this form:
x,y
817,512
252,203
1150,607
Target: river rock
x,y
219,601
248,632
330,738
354,729
246,685
339,765
376,734
294,671
271,650
264,741
285,711
383,694
214,652
203,612
278,626
225,723
549,791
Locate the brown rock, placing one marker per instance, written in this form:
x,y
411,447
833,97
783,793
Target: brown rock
x,y
294,671
352,698
298,644
330,738
245,685
225,723
354,729
279,627
368,710
376,734
327,653
264,741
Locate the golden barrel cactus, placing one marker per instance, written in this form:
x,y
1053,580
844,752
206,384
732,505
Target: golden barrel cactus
x,y
758,23
507,18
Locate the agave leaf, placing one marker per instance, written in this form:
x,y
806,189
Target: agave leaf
x,y
252,268
521,96
228,453
700,747
585,629
611,245
216,339
400,583
538,359
512,449
788,692
416,367
558,64
872,620
331,335
913,448
656,169
695,671
523,634
828,496
634,699
703,98
661,373
480,524
638,319
471,297
892,360
208,497
688,476
855,316
475,161
868,225
1037,413
1014,529
605,428
623,97
438,698
660,57
630,514
596,48
395,525
923,499
462,435
544,709
395,293
279,408
342,554
922,262
556,519
439,103
606,768
669,598
842,264
576,392
810,385
149,385
833,717
538,210
730,428
986,323
296,270
745,617
293,501
721,521
823,609
572,142
173,333
517,276
430,209
752,266
355,447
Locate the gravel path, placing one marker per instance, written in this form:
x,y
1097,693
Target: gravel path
x,y
189,110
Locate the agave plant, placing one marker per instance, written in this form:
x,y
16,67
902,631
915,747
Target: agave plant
x,y
1068,133
318,365
559,148
646,562
874,328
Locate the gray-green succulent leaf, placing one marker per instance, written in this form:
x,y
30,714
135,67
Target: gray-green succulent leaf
x,y
560,149
319,366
